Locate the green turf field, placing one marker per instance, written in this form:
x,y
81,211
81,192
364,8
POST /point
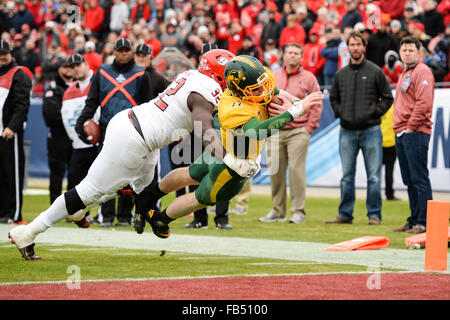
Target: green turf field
x,y
118,263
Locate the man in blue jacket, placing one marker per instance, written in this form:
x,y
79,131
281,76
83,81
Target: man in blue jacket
x,y
331,53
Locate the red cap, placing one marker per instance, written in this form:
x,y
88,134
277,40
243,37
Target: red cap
x,y
420,26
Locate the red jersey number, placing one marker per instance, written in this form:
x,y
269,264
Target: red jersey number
x,y
169,92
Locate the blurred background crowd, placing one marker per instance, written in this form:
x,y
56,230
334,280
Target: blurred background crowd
x,y
42,31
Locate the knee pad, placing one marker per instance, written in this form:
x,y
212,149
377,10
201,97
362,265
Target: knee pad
x,y
73,202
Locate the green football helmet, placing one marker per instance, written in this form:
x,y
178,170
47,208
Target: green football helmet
x,y
249,80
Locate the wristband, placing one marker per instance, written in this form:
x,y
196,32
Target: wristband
x,y
297,109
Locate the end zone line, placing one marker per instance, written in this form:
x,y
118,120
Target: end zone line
x,y
209,277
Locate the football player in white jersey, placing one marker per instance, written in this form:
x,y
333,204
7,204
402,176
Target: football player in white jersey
x,y
132,138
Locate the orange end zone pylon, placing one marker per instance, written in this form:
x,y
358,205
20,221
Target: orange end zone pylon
x,y
362,243
420,238
437,235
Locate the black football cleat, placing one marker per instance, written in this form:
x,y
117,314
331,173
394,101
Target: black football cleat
x,y
139,223
160,228
27,251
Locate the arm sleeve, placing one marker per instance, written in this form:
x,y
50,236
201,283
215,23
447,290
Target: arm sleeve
x,y
424,87
253,126
51,108
385,101
146,89
314,113
20,94
335,98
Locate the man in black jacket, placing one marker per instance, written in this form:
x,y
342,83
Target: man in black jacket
x,y
352,16
59,145
271,30
14,104
115,87
379,43
143,56
432,19
360,95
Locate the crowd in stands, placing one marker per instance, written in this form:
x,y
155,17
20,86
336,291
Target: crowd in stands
x,y
41,31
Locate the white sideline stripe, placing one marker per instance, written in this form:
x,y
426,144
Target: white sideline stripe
x,y
81,249
35,192
208,277
281,263
401,259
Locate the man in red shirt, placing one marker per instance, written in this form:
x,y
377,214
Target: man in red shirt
x,y
293,32
413,105
312,60
94,16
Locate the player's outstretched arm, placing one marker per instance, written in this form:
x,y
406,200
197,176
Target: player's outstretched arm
x,y
296,107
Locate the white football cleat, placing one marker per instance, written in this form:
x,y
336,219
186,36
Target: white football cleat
x,y
24,241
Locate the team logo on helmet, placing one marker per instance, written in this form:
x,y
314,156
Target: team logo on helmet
x,y
222,61
235,77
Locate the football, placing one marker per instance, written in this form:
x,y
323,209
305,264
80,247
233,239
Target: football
x,y
92,130
272,111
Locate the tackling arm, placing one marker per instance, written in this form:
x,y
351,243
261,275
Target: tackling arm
x,y
202,113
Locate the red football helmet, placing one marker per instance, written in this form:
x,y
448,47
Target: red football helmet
x,y
213,65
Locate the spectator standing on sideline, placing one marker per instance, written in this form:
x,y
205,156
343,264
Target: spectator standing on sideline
x,y
59,145
413,106
389,154
289,147
115,87
14,105
360,95
73,101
